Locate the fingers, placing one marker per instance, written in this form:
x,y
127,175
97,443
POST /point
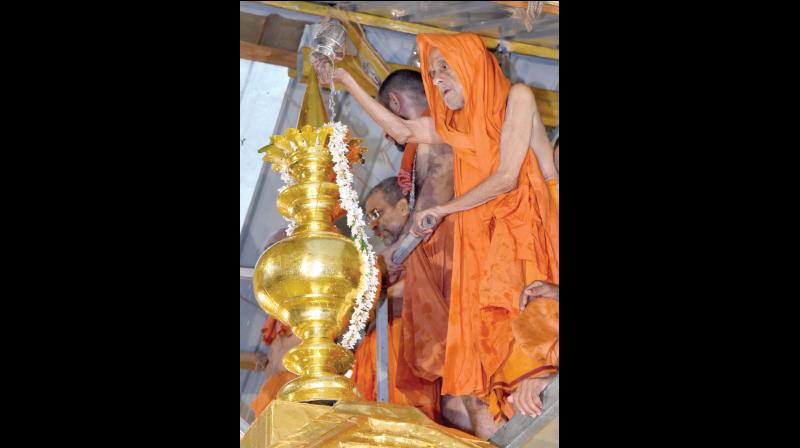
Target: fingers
x,y
535,284
417,230
512,400
537,402
524,401
535,291
525,298
515,402
520,402
534,403
322,70
541,291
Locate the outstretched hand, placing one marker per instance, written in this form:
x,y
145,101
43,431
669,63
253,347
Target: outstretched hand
x,y
322,67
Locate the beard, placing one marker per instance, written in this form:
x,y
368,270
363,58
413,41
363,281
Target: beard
x,y
389,238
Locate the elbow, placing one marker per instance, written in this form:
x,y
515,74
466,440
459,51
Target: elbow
x,y
506,183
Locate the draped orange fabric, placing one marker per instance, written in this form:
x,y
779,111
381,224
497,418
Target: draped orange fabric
x,y
269,390
500,246
424,395
273,328
553,186
404,178
536,344
426,302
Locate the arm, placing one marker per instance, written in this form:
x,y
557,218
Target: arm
x,y
436,188
421,130
542,148
514,140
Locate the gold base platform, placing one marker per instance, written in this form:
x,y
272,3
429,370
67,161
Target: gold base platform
x,y
286,424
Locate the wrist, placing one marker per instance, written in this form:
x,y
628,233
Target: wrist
x,y
346,80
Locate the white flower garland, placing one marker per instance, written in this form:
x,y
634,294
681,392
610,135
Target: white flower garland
x,y
348,198
288,182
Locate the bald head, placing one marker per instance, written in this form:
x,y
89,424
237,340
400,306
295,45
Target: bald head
x,y
391,190
402,92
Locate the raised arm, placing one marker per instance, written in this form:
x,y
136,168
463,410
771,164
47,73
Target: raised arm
x,y
421,130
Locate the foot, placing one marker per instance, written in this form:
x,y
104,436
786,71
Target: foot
x,y
482,421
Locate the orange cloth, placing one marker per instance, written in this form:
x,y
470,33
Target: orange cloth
x,y
426,302
552,185
269,390
424,395
500,246
273,328
534,353
404,178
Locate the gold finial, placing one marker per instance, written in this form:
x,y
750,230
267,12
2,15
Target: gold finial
x,y
312,112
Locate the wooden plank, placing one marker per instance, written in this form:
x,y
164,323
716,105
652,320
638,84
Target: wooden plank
x,y
514,4
252,361
547,8
260,53
366,50
407,27
251,27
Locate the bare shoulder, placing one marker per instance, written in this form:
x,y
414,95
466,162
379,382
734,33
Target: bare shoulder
x,y
521,92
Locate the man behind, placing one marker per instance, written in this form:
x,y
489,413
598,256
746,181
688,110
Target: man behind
x,y
424,308
389,213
